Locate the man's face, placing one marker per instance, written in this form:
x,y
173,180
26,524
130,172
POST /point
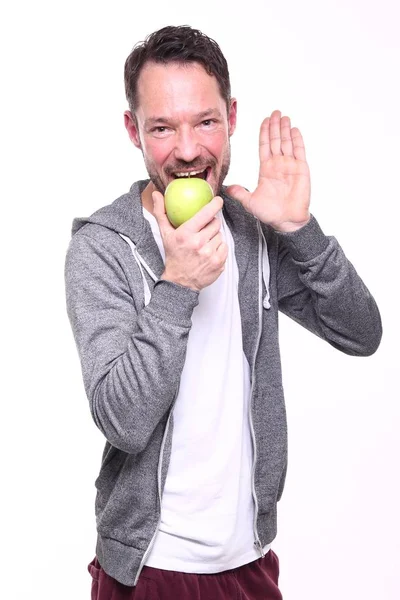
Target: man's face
x,y
182,124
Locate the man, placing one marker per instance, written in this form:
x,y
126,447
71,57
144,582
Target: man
x,y
178,338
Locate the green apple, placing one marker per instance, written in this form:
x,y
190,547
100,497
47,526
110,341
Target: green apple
x,y
184,197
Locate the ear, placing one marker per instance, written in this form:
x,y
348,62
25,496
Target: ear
x,y
232,115
132,128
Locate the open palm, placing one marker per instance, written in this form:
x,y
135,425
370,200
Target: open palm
x,y
282,196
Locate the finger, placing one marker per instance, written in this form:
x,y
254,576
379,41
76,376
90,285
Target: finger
x,y
264,145
159,212
204,216
216,241
239,193
222,252
286,138
209,231
299,150
275,133
211,245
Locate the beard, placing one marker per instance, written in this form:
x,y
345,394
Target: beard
x,y
195,165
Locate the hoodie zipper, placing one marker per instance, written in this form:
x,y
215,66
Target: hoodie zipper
x,y
159,475
257,542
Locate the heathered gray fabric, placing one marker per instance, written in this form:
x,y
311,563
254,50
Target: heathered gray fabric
x,y
132,356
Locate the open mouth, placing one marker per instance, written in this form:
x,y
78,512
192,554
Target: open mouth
x,y
200,174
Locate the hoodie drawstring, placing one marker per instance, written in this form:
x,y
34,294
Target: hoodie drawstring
x,y
141,263
265,264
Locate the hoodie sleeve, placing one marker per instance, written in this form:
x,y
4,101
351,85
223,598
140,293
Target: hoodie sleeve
x,y
319,288
131,356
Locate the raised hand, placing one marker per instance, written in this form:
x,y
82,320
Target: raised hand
x,y
282,196
195,253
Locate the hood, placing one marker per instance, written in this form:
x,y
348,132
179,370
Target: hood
x,y
124,215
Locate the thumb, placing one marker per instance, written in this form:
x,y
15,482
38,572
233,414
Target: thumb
x,y
159,212
239,193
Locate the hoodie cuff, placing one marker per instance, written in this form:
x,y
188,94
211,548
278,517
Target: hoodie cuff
x,y
307,242
173,301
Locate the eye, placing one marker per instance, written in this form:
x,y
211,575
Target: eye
x,y
208,122
160,131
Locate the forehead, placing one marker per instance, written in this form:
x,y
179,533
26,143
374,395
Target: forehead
x,y
176,87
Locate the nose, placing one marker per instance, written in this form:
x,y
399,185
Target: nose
x,y
187,147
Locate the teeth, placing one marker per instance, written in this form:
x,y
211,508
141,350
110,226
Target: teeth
x,y
188,174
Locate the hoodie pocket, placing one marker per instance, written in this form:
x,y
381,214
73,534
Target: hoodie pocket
x,y
110,470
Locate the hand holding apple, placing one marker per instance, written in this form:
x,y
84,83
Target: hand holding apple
x,y
195,253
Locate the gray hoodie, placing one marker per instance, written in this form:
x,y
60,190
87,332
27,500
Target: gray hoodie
x,y
132,354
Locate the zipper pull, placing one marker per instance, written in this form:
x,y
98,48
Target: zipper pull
x,y
257,544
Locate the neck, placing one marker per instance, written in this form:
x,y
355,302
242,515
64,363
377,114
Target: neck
x,y
147,200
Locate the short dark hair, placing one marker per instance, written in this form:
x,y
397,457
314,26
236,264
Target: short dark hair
x,y
180,44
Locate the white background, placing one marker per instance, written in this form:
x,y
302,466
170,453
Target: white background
x,y
333,67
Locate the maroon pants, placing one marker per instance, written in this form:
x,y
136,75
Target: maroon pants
x,y
257,580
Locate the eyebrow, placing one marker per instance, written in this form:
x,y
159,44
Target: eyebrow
x,y
210,112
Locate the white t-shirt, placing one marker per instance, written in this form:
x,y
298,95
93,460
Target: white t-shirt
x,y
207,507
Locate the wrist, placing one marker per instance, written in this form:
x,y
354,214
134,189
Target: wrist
x,y
182,281
290,227
306,243
173,302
